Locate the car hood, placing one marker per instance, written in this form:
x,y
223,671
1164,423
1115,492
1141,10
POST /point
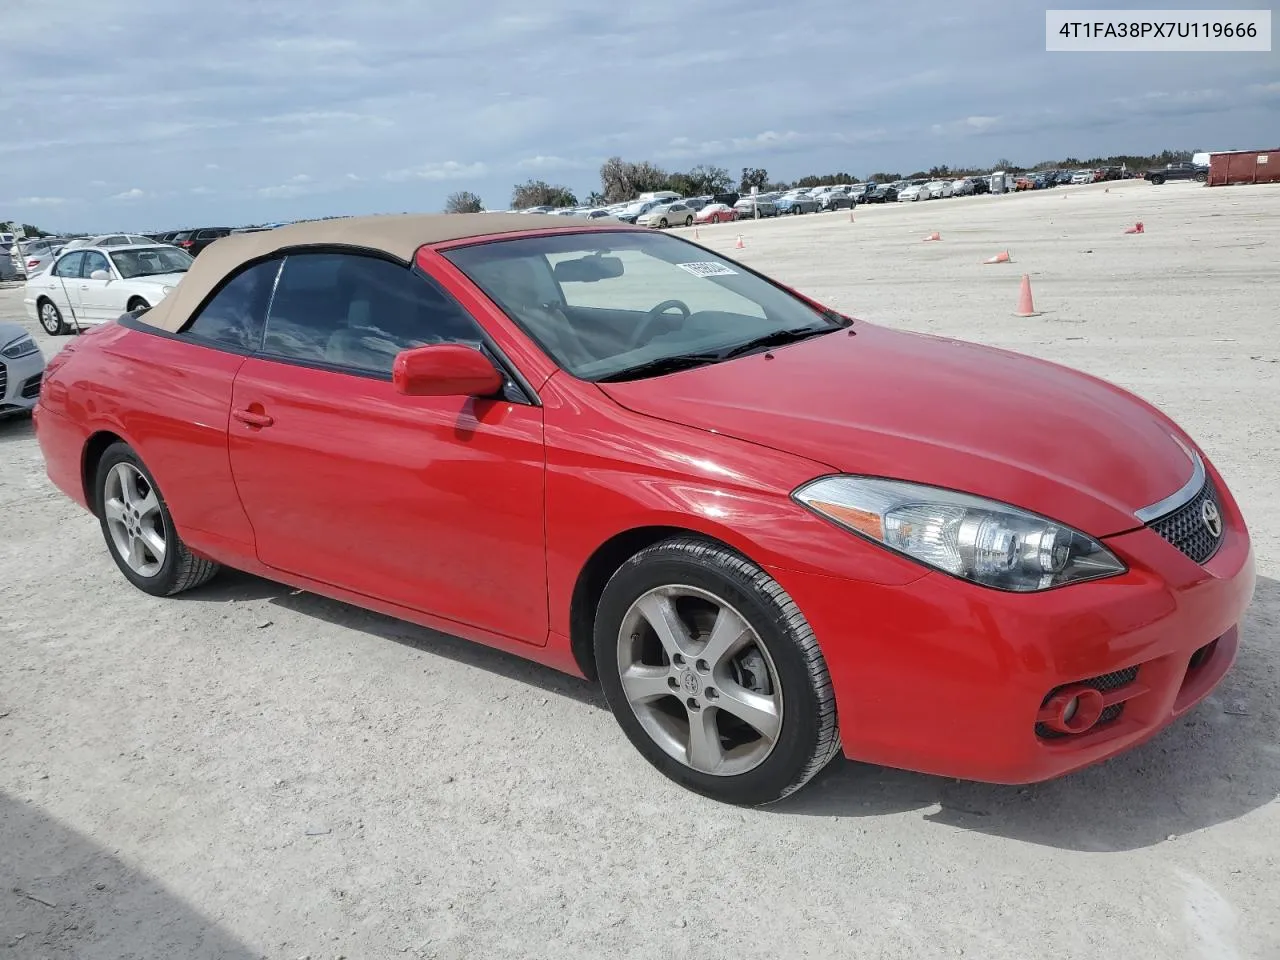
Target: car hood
x,y
160,279
938,411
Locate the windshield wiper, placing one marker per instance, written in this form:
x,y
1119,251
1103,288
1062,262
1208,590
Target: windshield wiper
x,y
655,368
776,339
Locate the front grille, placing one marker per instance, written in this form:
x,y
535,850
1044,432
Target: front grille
x,y
1106,683
31,387
4,380
1185,527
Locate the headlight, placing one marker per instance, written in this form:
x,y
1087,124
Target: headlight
x,y
22,347
989,543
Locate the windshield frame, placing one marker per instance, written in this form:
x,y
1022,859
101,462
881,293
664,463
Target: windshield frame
x,y
818,313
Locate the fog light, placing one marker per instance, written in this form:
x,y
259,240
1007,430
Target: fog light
x,y
1074,709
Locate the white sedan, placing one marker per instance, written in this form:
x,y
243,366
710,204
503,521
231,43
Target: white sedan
x,y
89,286
939,188
914,192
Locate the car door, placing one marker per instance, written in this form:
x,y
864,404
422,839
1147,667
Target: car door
x,y
63,287
431,503
92,292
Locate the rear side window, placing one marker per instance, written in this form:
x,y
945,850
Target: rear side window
x,y
357,312
236,314
69,266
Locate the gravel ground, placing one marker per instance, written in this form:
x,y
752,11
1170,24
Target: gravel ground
x,y
253,772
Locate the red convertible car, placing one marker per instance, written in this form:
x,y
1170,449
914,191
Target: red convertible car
x,y
774,533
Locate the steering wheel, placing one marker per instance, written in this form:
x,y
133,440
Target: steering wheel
x,y
654,316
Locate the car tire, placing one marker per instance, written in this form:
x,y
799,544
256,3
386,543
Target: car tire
x,y
137,303
139,529
688,221
662,224
1201,177
1156,181
678,713
50,317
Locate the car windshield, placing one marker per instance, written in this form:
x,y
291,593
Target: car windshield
x,y
151,261
624,305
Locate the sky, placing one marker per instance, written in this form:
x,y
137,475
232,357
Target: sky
x,y
150,116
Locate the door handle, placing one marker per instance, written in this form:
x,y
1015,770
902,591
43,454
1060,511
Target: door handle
x,y
251,419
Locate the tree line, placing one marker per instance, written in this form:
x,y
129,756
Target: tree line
x,y
623,180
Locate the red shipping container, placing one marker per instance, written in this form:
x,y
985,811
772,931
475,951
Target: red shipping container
x,y
1244,166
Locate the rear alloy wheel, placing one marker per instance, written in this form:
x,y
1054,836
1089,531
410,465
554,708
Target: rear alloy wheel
x,y
51,318
688,221
714,674
139,530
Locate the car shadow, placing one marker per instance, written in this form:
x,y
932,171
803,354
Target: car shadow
x,y
235,585
66,896
1216,764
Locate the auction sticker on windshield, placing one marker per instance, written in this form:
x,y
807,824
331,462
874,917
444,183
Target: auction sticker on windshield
x,y
707,269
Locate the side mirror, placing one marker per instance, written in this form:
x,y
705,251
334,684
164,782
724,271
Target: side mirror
x,y
445,370
100,275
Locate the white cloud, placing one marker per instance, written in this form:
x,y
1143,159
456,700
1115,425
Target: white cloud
x,y
201,191
134,193
541,162
449,170
37,202
965,125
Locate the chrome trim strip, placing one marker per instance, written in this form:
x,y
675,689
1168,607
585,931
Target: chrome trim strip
x,y
1181,496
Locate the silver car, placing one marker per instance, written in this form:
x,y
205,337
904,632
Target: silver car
x,y
21,368
38,254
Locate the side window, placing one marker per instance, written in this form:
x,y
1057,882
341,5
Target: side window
x,y
94,261
235,316
69,266
358,312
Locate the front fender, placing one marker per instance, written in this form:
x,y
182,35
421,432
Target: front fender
x,y
611,470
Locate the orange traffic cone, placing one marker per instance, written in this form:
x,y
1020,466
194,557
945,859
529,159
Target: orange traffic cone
x,y
739,245
1001,257
934,236
1026,306
1137,228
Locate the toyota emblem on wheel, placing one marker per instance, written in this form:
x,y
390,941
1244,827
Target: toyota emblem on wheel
x,y
1211,518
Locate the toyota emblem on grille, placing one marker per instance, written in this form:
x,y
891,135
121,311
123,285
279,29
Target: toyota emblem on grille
x,y
1211,518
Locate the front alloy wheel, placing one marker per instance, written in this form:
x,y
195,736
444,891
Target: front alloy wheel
x,y
714,674
700,680
51,318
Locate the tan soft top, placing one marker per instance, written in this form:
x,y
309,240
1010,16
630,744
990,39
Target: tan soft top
x,y
399,235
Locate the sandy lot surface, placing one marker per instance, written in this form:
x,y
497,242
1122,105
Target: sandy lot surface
x,y
248,772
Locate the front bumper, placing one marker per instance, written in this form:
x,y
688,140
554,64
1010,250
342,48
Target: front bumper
x,y
941,676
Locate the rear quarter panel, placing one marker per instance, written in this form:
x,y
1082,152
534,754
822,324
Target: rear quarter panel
x,y
170,400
